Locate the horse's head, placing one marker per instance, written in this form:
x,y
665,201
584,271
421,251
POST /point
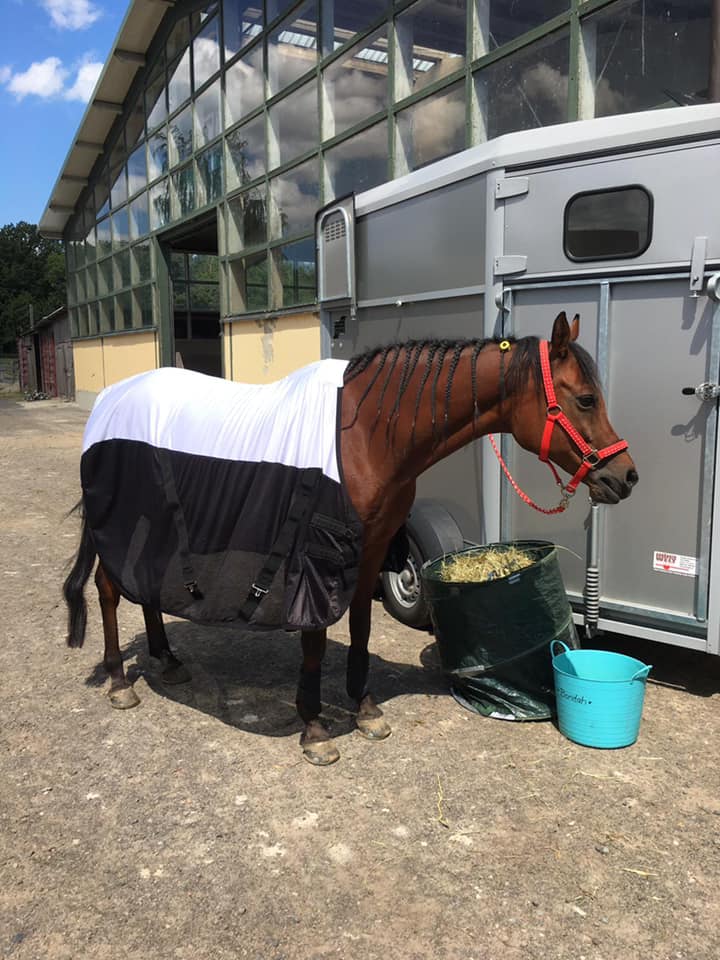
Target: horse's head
x,y
567,420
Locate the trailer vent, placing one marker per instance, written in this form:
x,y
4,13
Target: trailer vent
x,y
334,228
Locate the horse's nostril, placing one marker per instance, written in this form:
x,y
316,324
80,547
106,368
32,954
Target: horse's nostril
x,y
632,477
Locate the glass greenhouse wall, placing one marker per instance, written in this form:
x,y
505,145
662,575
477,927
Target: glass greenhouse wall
x,y
257,114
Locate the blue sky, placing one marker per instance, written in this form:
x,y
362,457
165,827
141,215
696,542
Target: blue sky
x,y
51,54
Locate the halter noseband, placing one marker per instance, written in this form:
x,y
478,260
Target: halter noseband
x,y
591,457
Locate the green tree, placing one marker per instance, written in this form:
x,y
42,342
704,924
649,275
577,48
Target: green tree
x,y
32,274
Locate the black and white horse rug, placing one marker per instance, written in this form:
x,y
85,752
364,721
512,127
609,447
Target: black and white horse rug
x,y
218,502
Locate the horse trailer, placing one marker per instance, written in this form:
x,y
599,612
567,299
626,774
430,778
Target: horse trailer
x,y
613,219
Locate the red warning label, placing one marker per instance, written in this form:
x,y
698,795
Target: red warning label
x,y
674,563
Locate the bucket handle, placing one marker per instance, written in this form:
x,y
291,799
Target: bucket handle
x,y
642,674
565,648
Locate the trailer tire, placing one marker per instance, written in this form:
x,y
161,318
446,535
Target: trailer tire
x,y
431,532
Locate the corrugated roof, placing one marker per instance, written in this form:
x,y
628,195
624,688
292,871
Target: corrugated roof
x,y
126,58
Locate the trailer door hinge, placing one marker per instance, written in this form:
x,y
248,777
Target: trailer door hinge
x,y
697,265
511,187
509,264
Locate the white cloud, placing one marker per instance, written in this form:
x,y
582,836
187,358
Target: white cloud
x,y
72,14
50,80
44,79
85,81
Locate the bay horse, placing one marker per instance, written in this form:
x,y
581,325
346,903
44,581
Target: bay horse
x,y
401,408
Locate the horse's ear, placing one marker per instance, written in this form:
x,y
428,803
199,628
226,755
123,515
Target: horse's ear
x,y
575,327
561,337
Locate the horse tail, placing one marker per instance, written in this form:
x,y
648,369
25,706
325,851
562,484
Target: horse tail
x,y
74,586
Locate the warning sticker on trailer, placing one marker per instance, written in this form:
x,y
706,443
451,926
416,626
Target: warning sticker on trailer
x,y
674,563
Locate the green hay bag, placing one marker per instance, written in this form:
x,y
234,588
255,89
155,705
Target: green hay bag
x,y
493,637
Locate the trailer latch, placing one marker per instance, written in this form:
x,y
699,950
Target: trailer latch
x,y
703,391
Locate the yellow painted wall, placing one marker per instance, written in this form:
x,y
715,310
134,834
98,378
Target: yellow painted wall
x,y
261,351
105,360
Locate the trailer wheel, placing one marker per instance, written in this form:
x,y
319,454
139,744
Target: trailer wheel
x,y
431,532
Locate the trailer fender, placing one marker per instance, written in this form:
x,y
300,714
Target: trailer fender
x,y
431,532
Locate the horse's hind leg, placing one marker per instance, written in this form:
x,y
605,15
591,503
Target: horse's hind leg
x,y
122,696
370,720
172,670
315,740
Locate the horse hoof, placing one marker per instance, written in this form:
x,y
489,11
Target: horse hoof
x,y
373,728
176,673
123,698
321,754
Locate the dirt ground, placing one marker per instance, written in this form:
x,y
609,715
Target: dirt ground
x,y
191,827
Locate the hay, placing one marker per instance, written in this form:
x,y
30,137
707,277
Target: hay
x,y
489,565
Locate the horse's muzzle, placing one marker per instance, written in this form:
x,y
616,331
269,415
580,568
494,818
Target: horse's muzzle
x,y
611,486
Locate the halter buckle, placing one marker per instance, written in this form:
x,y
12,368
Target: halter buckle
x,y
592,458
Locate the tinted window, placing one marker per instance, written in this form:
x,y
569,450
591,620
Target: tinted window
x,y
608,224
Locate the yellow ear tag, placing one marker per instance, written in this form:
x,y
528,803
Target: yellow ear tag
x,y
504,346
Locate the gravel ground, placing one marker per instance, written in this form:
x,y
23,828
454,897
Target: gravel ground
x,y
191,827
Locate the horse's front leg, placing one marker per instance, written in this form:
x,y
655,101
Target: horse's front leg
x,y
122,696
317,746
172,670
370,720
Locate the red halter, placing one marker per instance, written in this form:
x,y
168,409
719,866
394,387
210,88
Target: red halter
x,y
591,458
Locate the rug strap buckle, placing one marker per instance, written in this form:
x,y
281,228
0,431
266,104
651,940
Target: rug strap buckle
x,y
257,591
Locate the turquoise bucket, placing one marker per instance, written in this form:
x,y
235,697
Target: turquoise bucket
x,y
599,696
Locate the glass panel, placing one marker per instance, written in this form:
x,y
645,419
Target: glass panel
x,y
178,266
118,192
205,296
159,205
294,125
206,53
91,282
157,155
351,16
93,318
183,187
155,99
78,323
527,89
179,39
246,152
135,126
242,22
248,284
359,163
198,17
430,42
356,85
106,279
137,170
296,264
107,315
203,266
139,217
295,198
210,175
207,115
276,7
433,128
247,223
120,228
179,83
104,238
608,224
500,21
649,54
292,47
181,137
90,250
123,311
141,261
244,86
143,311
122,269
102,195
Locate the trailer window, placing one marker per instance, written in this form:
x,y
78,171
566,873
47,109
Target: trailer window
x,y
608,224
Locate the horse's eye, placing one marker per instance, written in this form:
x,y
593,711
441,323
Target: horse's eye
x,y
586,402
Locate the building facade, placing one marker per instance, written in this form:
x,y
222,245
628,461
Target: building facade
x,y
217,130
